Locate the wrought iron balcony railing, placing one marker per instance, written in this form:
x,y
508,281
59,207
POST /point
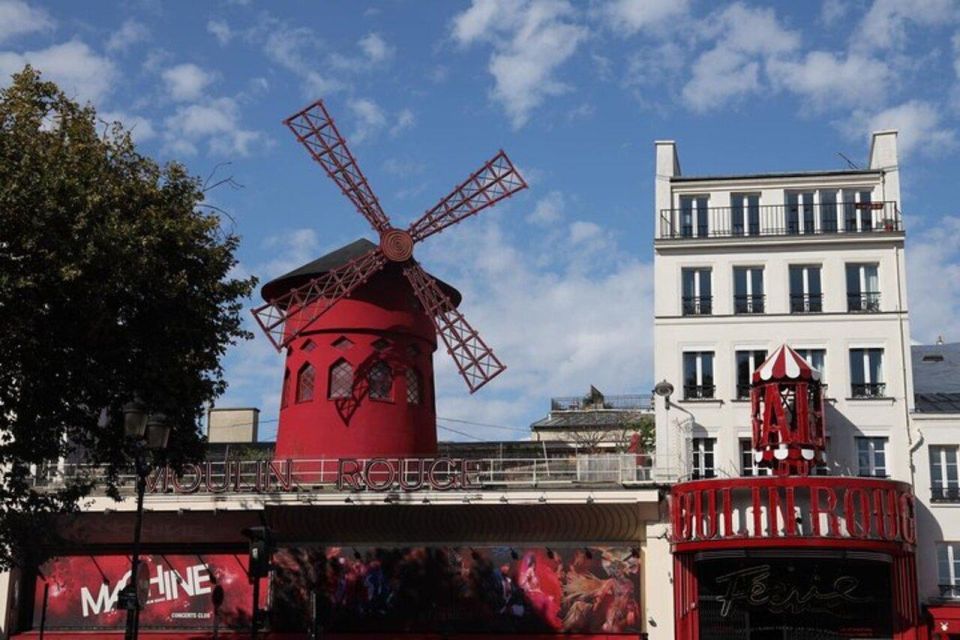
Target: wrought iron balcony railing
x,y
780,220
864,302
743,391
748,304
868,389
949,590
806,302
697,305
639,402
945,494
698,391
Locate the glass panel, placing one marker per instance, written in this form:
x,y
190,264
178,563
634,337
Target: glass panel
x,y
856,366
875,357
702,216
849,210
739,281
706,368
756,281
951,456
796,282
936,468
870,278
793,213
866,213
686,216
687,278
813,281
690,369
705,290
943,565
853,279
753,215
828,211
736,213
743,374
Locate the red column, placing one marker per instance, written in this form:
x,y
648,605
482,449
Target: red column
x,y
685,593
906,612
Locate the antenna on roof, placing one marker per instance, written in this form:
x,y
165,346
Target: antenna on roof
x,y
850,163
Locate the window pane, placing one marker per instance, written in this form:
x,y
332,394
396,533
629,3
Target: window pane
x,y
380,381
706,367
813,281
936,468
856,366
690,369
705,289
876,365
687,276
739,281
853,279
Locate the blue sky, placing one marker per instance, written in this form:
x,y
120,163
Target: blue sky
x,y
559,278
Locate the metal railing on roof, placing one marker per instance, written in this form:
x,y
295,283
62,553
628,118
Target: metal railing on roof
x,y
637,401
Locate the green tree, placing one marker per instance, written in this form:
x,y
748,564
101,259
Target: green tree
x,y
115,282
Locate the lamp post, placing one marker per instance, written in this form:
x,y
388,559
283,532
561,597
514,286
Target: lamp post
x,y
145,432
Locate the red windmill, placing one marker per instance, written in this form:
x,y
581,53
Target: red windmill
x,y
786,398
367,314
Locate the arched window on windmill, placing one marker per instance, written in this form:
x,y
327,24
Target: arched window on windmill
x,y
306,378
380,381
414,390
285,390
340,383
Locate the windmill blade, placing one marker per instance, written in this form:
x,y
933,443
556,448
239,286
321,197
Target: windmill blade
x,y
287,316
475,360
317,132
494,181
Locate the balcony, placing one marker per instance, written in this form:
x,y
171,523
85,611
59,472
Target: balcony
x,y
697,305
950,591
868,390
780,220
806,302
945,494
748,304
863,302
698,391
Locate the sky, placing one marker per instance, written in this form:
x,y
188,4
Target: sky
x,y
558,279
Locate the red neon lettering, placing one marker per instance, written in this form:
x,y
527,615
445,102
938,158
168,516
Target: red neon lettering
x,y
451,477
380,480
833,524
348,478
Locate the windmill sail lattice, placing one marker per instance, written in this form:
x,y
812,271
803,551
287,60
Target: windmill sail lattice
x,y
287,316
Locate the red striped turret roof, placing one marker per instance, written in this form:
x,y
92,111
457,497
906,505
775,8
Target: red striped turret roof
x,y
785,364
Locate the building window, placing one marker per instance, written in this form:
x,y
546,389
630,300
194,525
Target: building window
x,y
380,381
857,210
948,569
806,294
703,465
872,457
305,381
285,391
817,359
943,473
828,211
800,212
748,289
693,216
866,373
697,293
748,464
413,386
747,363
698,375
863,287
341,380
745,209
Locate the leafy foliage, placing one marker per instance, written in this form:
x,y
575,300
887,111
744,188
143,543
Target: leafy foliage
x,y
114,282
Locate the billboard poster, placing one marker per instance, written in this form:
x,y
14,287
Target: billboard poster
x,y
83,591
458,589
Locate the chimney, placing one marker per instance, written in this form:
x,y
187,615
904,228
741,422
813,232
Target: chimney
x,y
883,157
668,166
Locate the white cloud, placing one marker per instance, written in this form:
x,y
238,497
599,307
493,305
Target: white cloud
x,y
80,72
548,209
130,32
919,123
216,123
405,120
140,128
220,30
186,82
375,48
17,18
885,24
374,51
933,280
628,17
832,11
370,119
403,167
531,41
298,50
745,39
828,80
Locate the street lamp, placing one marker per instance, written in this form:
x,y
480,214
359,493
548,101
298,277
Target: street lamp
x,y
144,432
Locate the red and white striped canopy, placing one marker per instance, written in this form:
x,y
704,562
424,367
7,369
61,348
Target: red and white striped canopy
x,y
785,364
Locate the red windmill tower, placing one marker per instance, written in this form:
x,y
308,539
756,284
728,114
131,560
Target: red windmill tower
x,y
359,325
786,399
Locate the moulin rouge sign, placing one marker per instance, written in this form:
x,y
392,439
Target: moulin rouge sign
x,y
349,474
704,512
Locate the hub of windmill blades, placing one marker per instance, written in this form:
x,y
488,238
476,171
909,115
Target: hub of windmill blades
x,y
397,245
287,316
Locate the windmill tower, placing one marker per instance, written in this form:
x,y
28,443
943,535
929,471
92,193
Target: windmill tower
x,y
360,325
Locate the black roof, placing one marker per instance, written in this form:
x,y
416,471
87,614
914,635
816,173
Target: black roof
x,y
608,419
784,174
334,259
936,377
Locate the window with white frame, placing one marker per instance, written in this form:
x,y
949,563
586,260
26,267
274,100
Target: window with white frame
x,y
817,359
748,463
866,373
745,214
806,293
800,210
697,293
693,216
948,569
872,456
829,210
944,486
857,210
703,458
863,287
698,375
748,289
747,363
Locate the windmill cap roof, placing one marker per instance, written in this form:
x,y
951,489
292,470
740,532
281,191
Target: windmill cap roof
x,y
337,258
